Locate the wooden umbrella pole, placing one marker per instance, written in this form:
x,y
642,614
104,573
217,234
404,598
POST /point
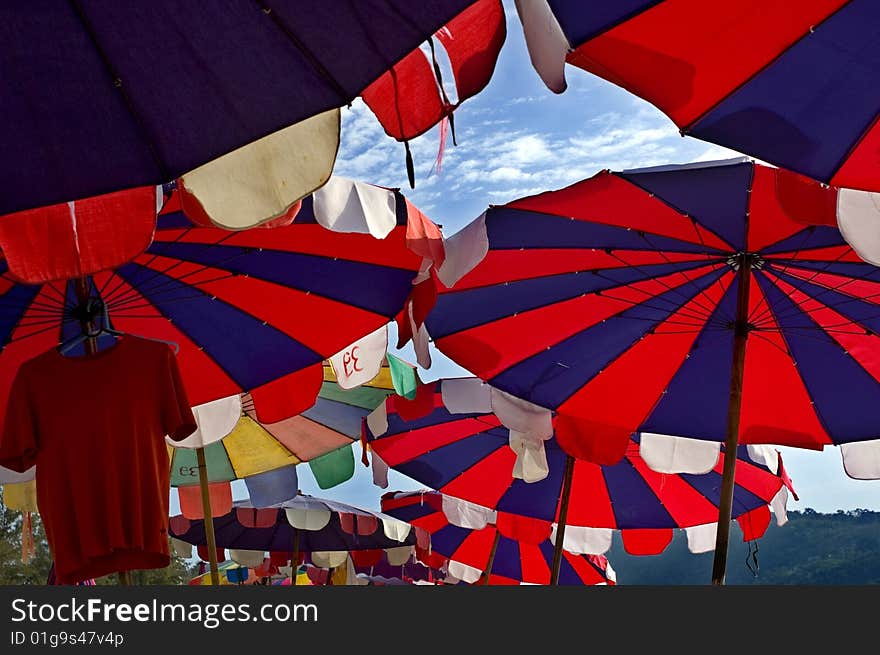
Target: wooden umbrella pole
x,y
560,523
734,405
294,558
492,556
208,516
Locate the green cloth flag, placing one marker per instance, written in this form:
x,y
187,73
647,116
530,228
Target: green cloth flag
x,y
334,468
403,376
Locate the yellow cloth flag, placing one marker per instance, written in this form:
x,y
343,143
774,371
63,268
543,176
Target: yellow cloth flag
x,y
339,576
21,496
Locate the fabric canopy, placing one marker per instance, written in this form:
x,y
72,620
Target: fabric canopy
x,y
158,90
614,301
256,310
469,551
796,84
468,455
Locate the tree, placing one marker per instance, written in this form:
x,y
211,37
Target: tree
x,y
34,572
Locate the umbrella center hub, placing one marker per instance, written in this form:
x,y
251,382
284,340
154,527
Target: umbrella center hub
x,y
750,259
88,309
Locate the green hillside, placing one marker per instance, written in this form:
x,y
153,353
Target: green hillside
x,y
811,549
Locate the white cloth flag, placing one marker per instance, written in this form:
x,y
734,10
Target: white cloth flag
x,y
463,572
215,420
360,362
545,41
380,471
465,514
531,458
249,558
466,395
464,250
344,205
701,538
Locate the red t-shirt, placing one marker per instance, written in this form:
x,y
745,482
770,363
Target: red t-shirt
x,y
95,427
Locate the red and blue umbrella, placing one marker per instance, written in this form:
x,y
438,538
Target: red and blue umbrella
x,y
256,310
467,456
796,84
510,561
712,301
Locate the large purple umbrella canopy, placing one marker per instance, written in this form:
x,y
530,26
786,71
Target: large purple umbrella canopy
x,y
100,95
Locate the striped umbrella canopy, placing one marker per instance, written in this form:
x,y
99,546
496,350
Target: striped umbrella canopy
x,y
300,525
468,455
375,567
251,311
512,552
796,84
716,301
615,302
252,448
144,97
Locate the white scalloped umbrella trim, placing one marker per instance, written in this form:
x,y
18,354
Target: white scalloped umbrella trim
x,y
861,460
307,519
701,538
858,218
394,528
216,420
399,556
328,559
668,454
249,558
463,572
584,541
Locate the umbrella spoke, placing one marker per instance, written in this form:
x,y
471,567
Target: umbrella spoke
x,y
801,305
132,302
149,261
700,290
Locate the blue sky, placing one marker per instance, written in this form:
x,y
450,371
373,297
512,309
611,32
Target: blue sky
x,y
517,138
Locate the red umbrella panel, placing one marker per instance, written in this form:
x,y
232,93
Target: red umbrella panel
x,y
796,84
471,456
514,550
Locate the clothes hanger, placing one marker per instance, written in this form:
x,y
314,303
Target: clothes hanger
x,y
105,328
